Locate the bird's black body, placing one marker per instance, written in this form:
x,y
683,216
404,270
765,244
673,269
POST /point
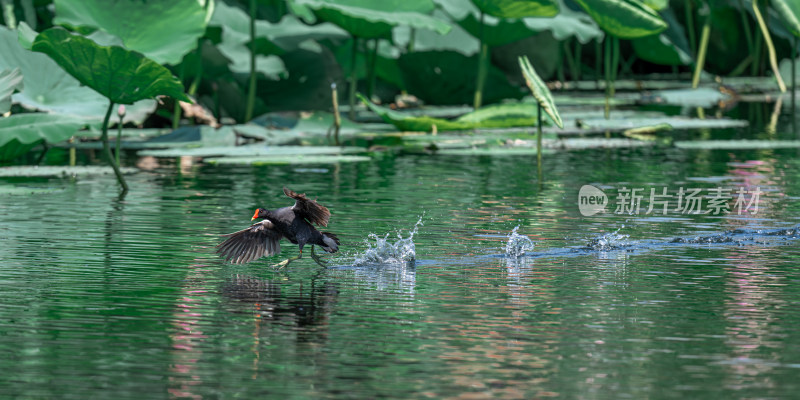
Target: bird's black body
x,y
295,229
293,223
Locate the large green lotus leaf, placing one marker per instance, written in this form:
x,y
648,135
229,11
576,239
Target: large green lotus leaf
x,y
10,80
496,31
657,5
458,39
32,128
47,87
540,91
457,9
446,77
235,25
121,75
668,48
626,19
568,23
375,19
789,11
290,33
518,8
496,116
162,30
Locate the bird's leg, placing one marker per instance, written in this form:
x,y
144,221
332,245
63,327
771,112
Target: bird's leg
x,y
286,262
316,258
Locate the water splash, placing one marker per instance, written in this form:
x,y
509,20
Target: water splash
x,y
609,241
384,251
517,244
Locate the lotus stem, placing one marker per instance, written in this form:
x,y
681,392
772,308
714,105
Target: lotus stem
x,y
611,66
411,39
176,108
30,13
539,139
107,149
794,60
199,76
773,60
251,87
72,153
598,50
615,66
372,60
351,95
742,66
701,55
578,50
748,35
607,70
573,68
482,69
690,27
8,13
756,65
337,119
118,143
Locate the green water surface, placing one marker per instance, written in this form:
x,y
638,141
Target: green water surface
x,y
102,297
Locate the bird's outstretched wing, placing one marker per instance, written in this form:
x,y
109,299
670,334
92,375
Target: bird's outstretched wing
x,y
260,239
309,209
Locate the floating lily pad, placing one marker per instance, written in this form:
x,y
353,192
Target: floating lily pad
x,y
293,159
496,116
52,170
594,143
493,151
738,144
675,122
6,190
700,97
254,150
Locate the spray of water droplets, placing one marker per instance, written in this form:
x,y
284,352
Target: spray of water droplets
x,y
382,250
517,244
610,241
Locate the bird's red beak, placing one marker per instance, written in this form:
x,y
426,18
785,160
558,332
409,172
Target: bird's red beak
x,y
255,215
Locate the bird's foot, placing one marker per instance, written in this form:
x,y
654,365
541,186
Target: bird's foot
x,y
282,264
318,260
286,262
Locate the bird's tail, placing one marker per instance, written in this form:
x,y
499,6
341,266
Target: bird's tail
x,y
330,242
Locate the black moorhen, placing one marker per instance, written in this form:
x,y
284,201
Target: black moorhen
x,y
293,223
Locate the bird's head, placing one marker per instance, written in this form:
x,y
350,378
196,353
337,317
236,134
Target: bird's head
x,y
260,213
